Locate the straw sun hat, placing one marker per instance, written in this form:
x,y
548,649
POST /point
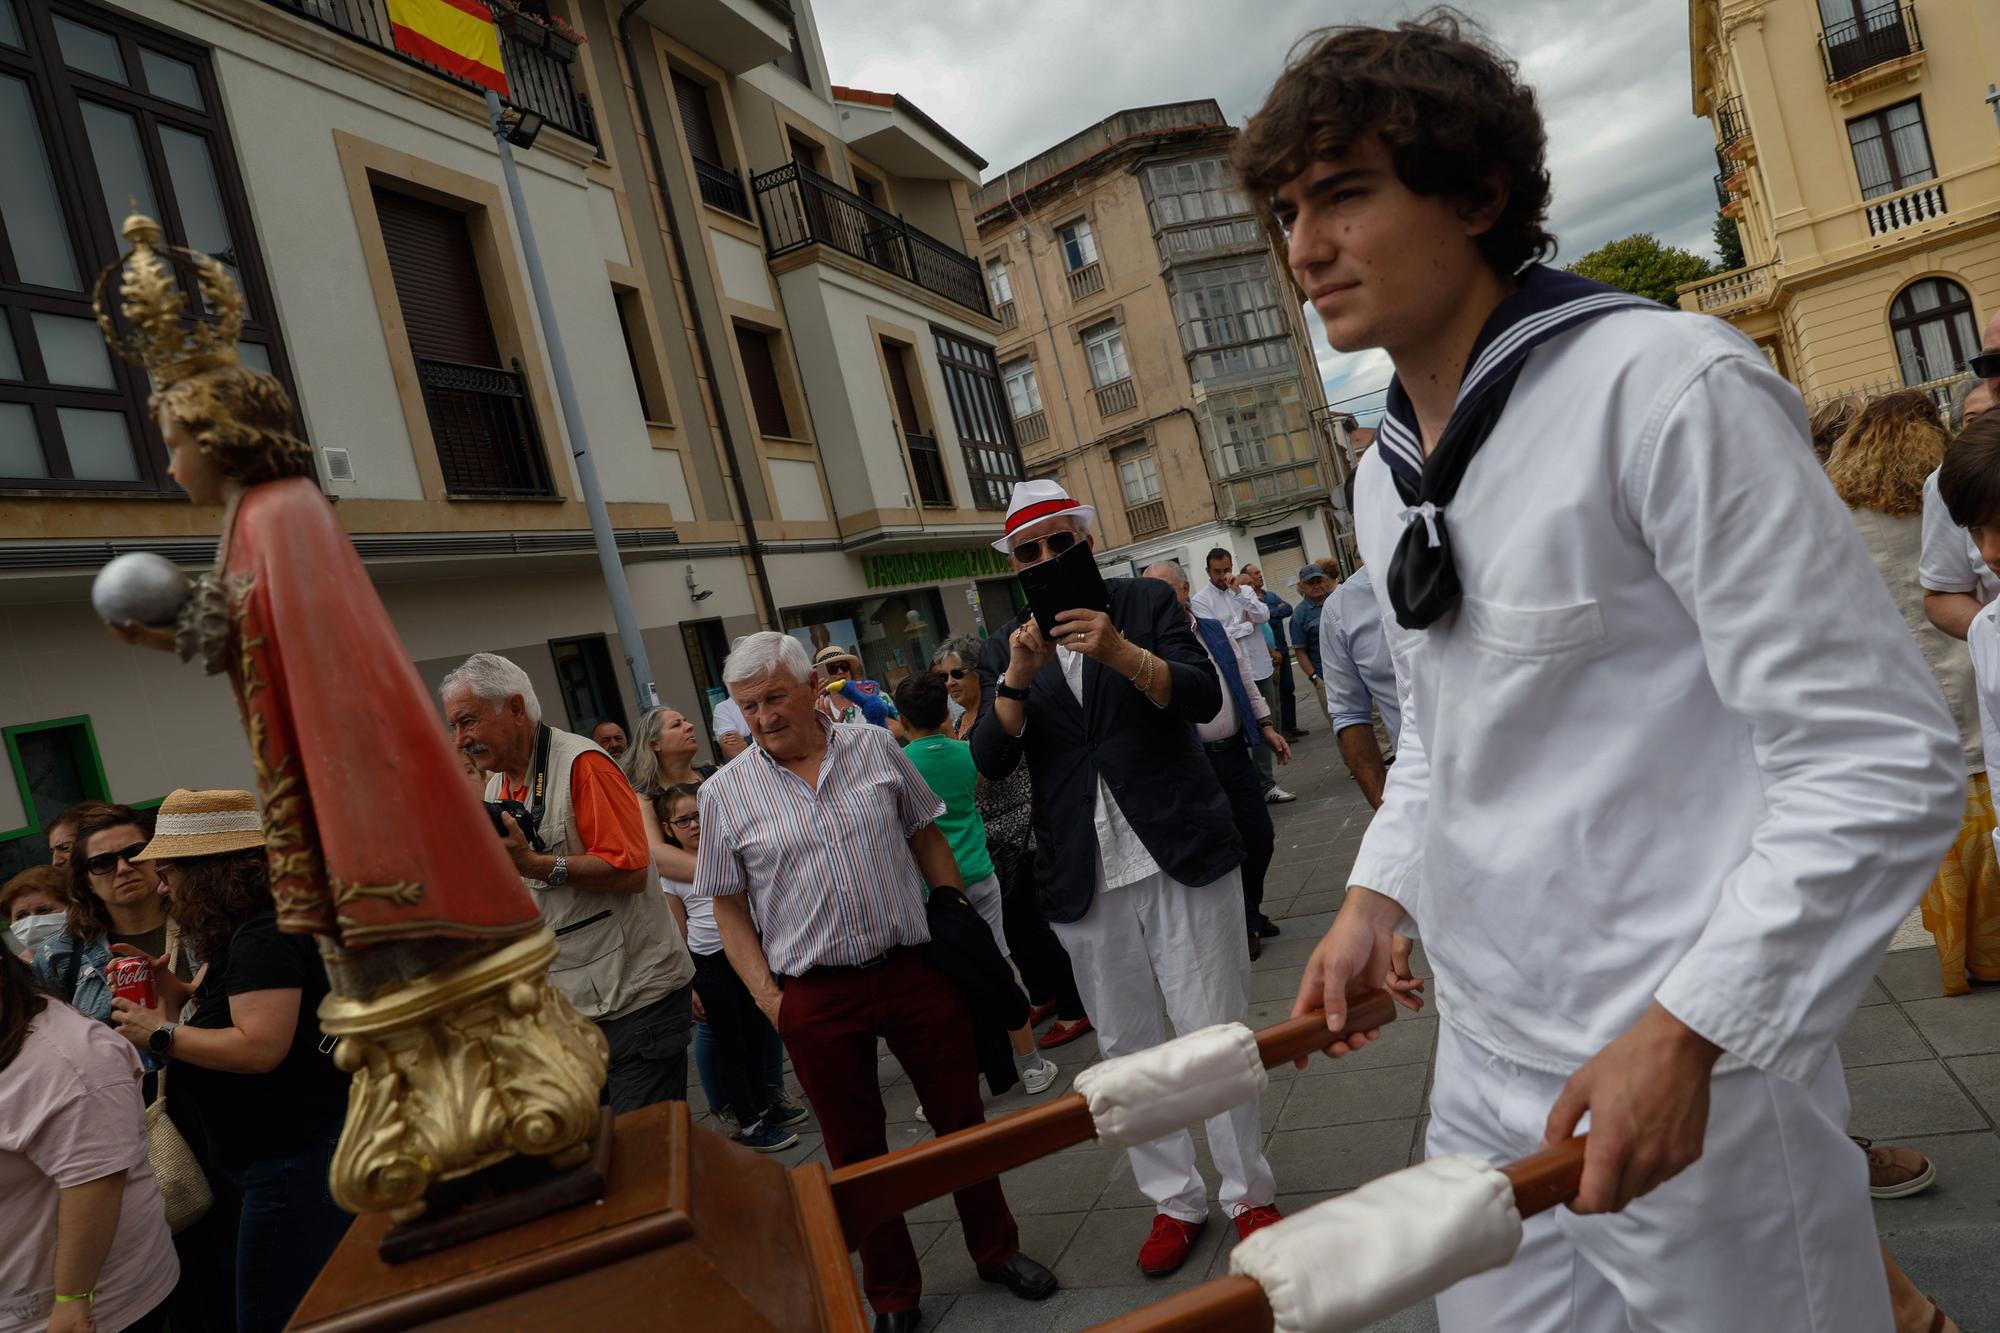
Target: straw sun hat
x,y
204,823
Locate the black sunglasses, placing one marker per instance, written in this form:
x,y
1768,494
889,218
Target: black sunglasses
x,y
959,673
105,862
1028,552
1986,365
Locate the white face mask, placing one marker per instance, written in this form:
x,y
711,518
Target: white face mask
x,y
32,930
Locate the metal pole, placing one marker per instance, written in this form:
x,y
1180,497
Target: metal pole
x,y
586,470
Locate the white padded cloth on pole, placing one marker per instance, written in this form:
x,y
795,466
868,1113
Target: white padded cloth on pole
x,y
1343,1264
1147,1095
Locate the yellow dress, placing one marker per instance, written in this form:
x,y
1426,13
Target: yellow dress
x,y
1962,905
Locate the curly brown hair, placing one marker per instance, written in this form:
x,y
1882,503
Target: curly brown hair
x,y
1830,420
1881,461
1450,108
89,918
216,894
242,419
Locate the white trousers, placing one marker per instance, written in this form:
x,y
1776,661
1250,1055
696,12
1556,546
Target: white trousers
x,y
984,895
1157,940
1771,1229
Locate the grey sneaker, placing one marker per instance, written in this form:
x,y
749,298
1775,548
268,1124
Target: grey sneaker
x,y
1040,1077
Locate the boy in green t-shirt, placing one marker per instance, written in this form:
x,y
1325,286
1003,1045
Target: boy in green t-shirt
x,y
946,765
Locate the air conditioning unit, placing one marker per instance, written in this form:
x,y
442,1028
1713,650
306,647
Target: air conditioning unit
x,y
339,464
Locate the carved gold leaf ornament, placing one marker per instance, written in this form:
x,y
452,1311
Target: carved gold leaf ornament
x,y
154,306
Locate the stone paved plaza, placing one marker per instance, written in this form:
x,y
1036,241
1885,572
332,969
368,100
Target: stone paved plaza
x,y
1924,1071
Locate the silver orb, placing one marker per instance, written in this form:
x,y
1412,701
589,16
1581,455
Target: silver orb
x,y
139,586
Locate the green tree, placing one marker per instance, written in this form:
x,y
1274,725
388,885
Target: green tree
x,y
1641,265
1728,243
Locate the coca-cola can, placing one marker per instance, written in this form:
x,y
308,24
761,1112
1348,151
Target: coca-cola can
x,y
132,979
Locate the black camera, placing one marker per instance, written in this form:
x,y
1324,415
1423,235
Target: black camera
x,y
522,816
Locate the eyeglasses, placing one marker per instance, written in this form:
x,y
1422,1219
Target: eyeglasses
x,y
685,821
1986,365
1030,551
839,669
959,673
105,862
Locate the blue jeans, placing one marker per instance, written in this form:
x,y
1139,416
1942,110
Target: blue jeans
x,y
704,1062
289,1229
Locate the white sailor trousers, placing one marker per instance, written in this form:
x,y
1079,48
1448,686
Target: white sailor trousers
x,y
1158,940
1771,1229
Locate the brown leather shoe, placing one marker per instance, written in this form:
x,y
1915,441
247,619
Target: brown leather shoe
x,y
1896,1173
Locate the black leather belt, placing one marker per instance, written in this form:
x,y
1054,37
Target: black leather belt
x,y
865,965
1224,747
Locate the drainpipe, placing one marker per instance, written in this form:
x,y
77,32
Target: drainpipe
x,y
633,71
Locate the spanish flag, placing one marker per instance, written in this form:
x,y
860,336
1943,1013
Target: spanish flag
x,y
457,36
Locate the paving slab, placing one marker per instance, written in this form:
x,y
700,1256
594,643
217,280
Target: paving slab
x,y
1911,975
1355,1096
1893,1102
1980,1075
1105,1252
948,1268
1967,1192
1961,1025
1878,1035
1339,1157
1955,1269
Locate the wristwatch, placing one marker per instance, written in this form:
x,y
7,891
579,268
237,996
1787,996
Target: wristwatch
x,y
162,1038
1006,691
559,873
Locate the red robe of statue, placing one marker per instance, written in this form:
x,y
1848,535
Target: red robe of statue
x,y
373,832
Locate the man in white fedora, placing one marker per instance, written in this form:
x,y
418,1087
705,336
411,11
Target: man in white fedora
x,y
1136,851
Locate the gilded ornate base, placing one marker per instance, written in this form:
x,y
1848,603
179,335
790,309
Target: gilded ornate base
x,y
458,1071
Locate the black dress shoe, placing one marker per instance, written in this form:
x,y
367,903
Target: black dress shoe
x,y
1266,926
1297,734
1024,1277
899,1321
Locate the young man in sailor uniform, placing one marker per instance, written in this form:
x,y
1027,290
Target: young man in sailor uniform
x,y
1671,769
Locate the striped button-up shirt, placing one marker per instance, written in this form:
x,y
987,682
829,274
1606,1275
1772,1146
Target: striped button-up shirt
x,y
829,872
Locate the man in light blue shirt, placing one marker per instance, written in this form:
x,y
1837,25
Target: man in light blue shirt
x,y
1355,663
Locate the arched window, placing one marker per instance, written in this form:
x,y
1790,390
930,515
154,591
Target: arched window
x,y
1934,330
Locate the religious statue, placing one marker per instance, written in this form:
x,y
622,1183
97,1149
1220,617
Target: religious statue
x,y
461,1053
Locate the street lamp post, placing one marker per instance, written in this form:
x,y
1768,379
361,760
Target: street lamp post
x,y
504,134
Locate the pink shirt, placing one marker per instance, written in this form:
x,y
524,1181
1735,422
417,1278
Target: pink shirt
x,y
70,1113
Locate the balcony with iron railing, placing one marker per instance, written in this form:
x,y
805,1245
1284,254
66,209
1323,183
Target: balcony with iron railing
x,y
722,188
1032,428
484,427
1732,124
1732,290
800,208
1143,520
927,462
1117,396
1086,281
537,62
1886,33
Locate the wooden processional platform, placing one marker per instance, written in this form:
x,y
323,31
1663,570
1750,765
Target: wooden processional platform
x,y
703,1235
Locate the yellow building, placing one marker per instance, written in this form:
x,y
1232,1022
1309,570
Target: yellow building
x,y
1860,156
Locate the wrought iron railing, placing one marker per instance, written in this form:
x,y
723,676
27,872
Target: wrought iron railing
x,y
1888,32
1086,281
800,207
539,79
1143,520
722,188
1724,196
1117,396
1032,428
1907,209
484,428
1730,121
927,461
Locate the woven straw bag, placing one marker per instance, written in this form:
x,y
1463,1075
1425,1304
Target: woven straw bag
x,y
183,1184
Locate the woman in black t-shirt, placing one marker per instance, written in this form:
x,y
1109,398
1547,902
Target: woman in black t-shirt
x,y
247,1058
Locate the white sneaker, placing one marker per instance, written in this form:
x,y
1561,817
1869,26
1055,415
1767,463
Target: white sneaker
x,y
1041,1077
1278,796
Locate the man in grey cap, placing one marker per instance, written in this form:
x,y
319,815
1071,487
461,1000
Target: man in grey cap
x,y
1313,585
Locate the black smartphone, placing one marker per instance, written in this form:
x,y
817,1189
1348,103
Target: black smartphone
x,y
1069,582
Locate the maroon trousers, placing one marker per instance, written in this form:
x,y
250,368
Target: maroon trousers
x,y
830,1019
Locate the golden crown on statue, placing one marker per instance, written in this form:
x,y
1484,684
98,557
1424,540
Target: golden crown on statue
x,y
165,339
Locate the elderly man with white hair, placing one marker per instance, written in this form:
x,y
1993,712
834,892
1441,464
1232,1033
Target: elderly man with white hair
x,y
825,837
622,962
1136,849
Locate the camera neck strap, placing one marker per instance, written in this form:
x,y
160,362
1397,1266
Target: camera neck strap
x,y
538,773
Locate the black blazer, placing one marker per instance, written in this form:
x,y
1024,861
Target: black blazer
x,y
962,948
1148,756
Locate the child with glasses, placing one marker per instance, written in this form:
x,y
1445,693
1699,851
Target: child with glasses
x,y
743,1071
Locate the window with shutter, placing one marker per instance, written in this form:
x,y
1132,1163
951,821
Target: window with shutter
x,y
760,369
480,415
704,145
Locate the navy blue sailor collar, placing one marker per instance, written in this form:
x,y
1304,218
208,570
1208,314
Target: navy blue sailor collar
x,y
1423,581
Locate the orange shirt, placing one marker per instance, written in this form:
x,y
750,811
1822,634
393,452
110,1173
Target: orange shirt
x,y
607,817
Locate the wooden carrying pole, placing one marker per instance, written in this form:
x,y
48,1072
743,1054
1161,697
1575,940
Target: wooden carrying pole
x,y
1236,1304
869,1193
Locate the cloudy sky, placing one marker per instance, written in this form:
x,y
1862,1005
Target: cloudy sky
x,y
1013,77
